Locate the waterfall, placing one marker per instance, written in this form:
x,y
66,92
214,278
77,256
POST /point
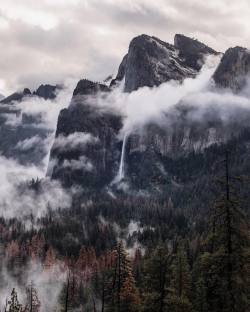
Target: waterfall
x,y
121,172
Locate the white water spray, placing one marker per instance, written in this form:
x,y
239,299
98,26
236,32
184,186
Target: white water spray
x,y
121,172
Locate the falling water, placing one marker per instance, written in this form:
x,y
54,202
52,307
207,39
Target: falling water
x,y
121,172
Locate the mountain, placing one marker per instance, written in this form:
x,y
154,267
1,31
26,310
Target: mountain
x,y
101,151
150,61
47,91
44,91
192,51
153,156
234,69
16,96
90,148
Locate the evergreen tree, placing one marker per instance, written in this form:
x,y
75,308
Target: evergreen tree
x,y
179,298
124,294
13,305
156,280
32,301
199,288
225,264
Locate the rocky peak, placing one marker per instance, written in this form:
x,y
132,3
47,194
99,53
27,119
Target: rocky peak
x,y
121,72
233,69
46,91
87,87
84,119
151,61
192,50
26,91
16,96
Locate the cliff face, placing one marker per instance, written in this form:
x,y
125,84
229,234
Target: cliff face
x,y
103,159
192,51
151,61
86,148
234,69
47,91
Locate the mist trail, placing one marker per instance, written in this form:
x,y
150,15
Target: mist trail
x,y
121,172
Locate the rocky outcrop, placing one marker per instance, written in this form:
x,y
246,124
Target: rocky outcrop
x,y
121,72
151,151
193,51
44,91
151,61
16,97
86,147
47,91
87,88
233,69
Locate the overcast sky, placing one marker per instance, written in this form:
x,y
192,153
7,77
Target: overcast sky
x,y
50,40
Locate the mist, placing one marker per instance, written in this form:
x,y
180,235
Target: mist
x,y
163,105
17,199
47,282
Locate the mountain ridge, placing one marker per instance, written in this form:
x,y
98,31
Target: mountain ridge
x,y
149,63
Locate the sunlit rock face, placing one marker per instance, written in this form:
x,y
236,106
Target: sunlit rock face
x,y
234,69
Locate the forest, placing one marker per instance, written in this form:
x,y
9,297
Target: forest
x,y
162,261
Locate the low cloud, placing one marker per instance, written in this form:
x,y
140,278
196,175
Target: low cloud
x,y
30,143
196,100
78,164
48,284
19,200
76,140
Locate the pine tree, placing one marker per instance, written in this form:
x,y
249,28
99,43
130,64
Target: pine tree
x,y
13,305
156,280
179,298
32,301
124,294
50,259
226,261
199,288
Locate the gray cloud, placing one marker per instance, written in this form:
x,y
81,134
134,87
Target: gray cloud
x,y
74,140
53,40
